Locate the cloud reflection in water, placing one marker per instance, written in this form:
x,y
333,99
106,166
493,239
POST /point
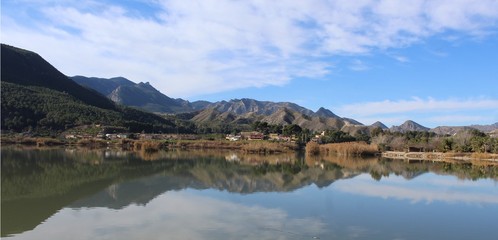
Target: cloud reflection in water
x,y
423,188
177,215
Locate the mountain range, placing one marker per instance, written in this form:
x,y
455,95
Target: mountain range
x,y
233,112
245,110
35,94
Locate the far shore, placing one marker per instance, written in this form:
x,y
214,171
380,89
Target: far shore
x,y
250,146
357,149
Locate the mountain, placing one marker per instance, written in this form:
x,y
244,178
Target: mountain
x,y
451,130
141,95
350,121
380,125
266,108
235,112
247,111
409,126
486,128
102,85
199,105
323,112
36,96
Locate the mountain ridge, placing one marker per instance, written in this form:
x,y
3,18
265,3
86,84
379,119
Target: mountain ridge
x,y
409,125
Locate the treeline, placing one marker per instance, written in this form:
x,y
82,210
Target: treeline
x,y
465,141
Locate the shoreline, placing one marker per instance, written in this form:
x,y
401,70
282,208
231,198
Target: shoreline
x,y
247,146
156,145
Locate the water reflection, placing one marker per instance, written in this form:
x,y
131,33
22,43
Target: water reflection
x,y
426,189
178,216
154,193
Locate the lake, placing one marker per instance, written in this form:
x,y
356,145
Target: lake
x,y
111,194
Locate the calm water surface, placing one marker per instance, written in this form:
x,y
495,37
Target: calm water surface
x,y
109,194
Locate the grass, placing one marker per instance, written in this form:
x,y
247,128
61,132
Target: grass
x,y
94,143
147,146
342,149
40,142
267,147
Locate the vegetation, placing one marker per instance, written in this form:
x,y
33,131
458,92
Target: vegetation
x,y
464,141
336,136
37,98
42,110
342,149
268,147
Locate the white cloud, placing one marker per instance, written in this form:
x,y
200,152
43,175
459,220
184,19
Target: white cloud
x,y
417,105
187,48
401,59
429,112
358,65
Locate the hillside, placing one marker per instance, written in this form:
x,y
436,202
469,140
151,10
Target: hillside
x,y
142,95
102,85
266,108
37,97
30,69
215,115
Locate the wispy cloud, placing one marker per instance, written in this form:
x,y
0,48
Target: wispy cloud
x,y
429,111
187,48
358,65
417,105
401,59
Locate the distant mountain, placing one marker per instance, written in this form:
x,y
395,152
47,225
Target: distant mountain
x,y
266,108
248,111
102,85
323,112
409,126
199,105
379,124
486,128
283,116
235,112
141,95
36,96
451,130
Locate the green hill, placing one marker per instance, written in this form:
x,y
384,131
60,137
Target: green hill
x,y
36,96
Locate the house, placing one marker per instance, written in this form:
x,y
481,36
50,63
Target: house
x,y
275,137
245,135
256,136
232,137
70,136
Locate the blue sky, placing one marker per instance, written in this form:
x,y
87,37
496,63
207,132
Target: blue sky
x,y
434,62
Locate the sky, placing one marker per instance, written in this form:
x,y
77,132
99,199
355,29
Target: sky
x,y
431,61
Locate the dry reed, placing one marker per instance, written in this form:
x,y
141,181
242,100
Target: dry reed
x,y
344,149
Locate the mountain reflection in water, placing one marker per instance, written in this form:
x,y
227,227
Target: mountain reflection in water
x,y
37,183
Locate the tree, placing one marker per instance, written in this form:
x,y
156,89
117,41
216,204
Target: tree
x,y
292,129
